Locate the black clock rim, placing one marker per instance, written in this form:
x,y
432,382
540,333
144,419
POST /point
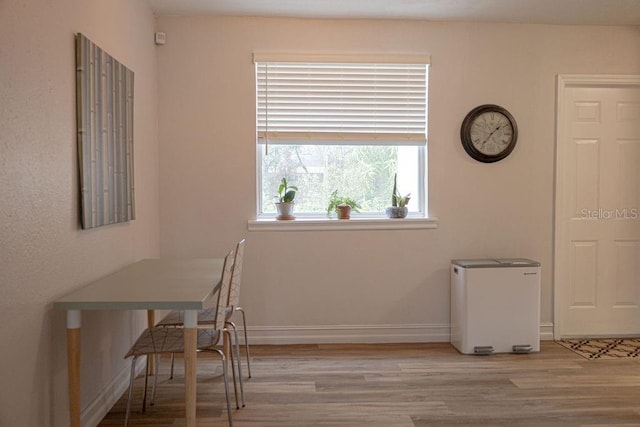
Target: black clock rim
x,y
465,133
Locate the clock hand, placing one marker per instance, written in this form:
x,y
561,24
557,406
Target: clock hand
x,y
489,136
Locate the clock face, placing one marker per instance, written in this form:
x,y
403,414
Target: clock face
x,y
488,133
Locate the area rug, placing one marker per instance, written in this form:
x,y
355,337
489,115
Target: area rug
x,y
604,348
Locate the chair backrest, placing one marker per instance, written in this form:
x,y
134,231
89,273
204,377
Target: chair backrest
x,y
236,277
223,294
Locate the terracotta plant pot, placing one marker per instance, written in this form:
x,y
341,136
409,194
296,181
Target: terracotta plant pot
x,y
343,211
285,210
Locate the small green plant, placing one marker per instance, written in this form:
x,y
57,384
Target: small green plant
x,y
397,200
286,192
336,201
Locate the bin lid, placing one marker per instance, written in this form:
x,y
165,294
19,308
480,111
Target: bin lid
x,y
495,263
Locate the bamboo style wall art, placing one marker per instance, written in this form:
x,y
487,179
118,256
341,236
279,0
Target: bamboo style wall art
x,y
104,107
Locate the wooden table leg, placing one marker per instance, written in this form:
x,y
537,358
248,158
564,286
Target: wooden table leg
x,y
226,347
190,361
73,366
151,321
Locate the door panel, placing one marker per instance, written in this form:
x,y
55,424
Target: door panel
x,y
584,256
584,175
628,259
628,172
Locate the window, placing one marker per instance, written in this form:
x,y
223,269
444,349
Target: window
x,y
345,124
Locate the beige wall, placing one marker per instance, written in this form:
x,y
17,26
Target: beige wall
x,y
44,253
317,285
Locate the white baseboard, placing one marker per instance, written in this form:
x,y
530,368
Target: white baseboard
x,y
337,334
546,332
102,404
345,334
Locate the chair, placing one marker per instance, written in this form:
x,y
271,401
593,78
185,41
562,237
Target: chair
x,y
157,340
175,318
234,298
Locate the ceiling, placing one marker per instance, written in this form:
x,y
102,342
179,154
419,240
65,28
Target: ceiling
x,y
568,12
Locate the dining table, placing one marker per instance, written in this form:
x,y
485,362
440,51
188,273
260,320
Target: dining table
x,y
149,284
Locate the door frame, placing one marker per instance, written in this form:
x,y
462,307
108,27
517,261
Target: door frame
x,y
565,82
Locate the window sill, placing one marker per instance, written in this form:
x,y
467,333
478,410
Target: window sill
x,y
316,224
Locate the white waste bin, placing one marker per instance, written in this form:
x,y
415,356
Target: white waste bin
x,y
495,305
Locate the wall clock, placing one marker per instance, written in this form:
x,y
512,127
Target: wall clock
x,y
489,133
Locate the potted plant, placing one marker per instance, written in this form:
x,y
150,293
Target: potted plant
x,y
398,208
342,206
286,194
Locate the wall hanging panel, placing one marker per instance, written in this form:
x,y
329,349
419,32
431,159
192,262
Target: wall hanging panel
x,y
105,136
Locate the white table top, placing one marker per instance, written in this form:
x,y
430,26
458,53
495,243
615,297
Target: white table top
x,y
151,284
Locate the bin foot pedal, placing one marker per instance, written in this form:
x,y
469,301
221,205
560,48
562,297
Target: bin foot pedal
x,y
522,348
483,349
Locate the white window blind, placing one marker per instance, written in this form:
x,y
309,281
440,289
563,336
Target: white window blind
x,y
326,102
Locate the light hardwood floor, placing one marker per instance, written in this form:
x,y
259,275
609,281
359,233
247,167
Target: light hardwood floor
x,y
404,385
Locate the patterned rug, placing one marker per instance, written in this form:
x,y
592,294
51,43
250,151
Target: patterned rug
x,y
605,348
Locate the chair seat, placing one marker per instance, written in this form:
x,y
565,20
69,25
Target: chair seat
x,y
170,340
176,317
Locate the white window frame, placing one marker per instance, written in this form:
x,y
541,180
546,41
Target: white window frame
x,y
379,139
423,207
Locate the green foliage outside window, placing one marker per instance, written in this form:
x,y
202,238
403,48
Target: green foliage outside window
x,y
364,173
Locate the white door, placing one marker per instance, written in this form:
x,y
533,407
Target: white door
x,y
597,260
